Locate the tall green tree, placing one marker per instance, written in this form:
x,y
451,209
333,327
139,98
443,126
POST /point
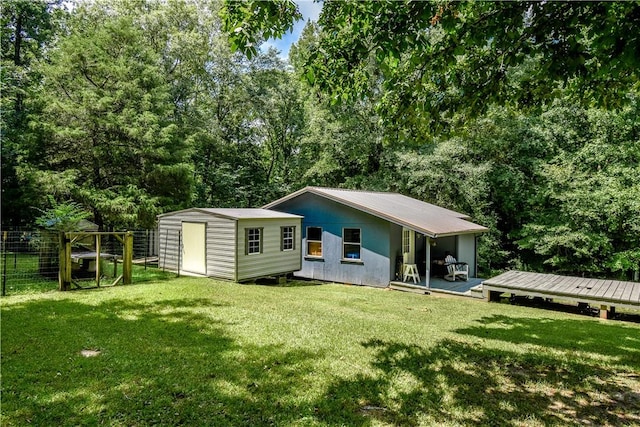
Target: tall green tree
x,y
246,153
27,28
107,121
280,118
444,57
343,143
587,210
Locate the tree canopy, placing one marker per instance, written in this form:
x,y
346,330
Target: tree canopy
x,y
437,59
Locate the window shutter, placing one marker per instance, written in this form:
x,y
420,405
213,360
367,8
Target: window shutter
x,y
261,237
246,241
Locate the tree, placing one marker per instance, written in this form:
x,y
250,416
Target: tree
x,y
280,119
343,143
246,151
251,22
107,119
586,217
27,28
437,58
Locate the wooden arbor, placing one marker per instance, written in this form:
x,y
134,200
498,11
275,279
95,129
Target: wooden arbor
x,y
66,256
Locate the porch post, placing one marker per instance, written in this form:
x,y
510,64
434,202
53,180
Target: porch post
x,y
428,251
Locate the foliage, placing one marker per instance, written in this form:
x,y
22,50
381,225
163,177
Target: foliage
x,y
107,118
27,27
439,58
62,216
197,351
587,219
250,22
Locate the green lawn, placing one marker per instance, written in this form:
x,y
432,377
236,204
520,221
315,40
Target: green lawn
x,y
23,274
201,352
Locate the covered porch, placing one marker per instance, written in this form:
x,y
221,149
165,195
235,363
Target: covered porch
x,y
428,256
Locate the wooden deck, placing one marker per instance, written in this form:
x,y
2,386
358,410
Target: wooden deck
x,y
607,294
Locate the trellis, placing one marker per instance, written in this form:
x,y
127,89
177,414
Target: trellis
x,y
67,239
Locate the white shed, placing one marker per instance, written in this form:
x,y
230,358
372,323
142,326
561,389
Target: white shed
x,y
229,243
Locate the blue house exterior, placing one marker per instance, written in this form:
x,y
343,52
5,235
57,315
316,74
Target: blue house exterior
x,y
360,237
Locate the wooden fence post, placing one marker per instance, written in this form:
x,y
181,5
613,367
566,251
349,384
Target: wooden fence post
x,y
98,250
127,262
4,263
64,272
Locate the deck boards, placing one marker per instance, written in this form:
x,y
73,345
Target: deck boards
x,y
578,289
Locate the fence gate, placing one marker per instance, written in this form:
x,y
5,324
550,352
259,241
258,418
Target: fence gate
x,y
91,260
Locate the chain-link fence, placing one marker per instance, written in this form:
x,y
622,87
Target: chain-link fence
x,y
29,259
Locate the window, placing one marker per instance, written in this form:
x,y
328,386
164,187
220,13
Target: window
x,y
288,235
351,243
253,238
314,241
406,241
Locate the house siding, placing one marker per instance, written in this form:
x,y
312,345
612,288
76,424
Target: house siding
x,y
375,266
220,234
225,245
271,260
467,251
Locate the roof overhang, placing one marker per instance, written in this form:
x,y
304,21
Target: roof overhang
x,y
463,226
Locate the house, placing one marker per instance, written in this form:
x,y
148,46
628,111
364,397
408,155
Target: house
x,y
363,237
233,244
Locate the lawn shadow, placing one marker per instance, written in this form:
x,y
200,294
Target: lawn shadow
x,y
169,362
455,382
289,283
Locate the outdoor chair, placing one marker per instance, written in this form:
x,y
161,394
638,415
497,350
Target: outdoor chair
x,y
456,269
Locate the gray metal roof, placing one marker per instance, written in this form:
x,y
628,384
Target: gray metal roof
x,y
432,220
237,213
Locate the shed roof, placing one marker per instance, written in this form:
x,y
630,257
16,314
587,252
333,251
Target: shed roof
x,y
237,213
432,220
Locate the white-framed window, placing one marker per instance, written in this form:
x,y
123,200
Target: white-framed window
x,y
314,242
351,244
253,241
288,238
406,241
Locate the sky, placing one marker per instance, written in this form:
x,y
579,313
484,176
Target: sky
x,y
310,10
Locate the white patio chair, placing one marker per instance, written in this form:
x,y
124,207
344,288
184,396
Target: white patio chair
x,y
456,269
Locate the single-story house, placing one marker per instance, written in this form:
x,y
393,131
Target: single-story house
x,y
364,237
227,243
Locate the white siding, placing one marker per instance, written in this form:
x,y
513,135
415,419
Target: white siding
x,y
272,260
220,242
467,251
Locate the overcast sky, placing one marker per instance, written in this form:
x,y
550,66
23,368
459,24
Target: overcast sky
x,y
310,11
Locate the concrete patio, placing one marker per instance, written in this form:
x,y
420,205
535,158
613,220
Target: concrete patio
x,y
469,288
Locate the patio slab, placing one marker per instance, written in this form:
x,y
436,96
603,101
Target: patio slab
x,y
469,288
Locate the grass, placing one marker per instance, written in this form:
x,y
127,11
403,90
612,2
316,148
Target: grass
x,y
23,274
201,352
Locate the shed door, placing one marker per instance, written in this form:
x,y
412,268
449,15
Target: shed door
x,y
194,247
